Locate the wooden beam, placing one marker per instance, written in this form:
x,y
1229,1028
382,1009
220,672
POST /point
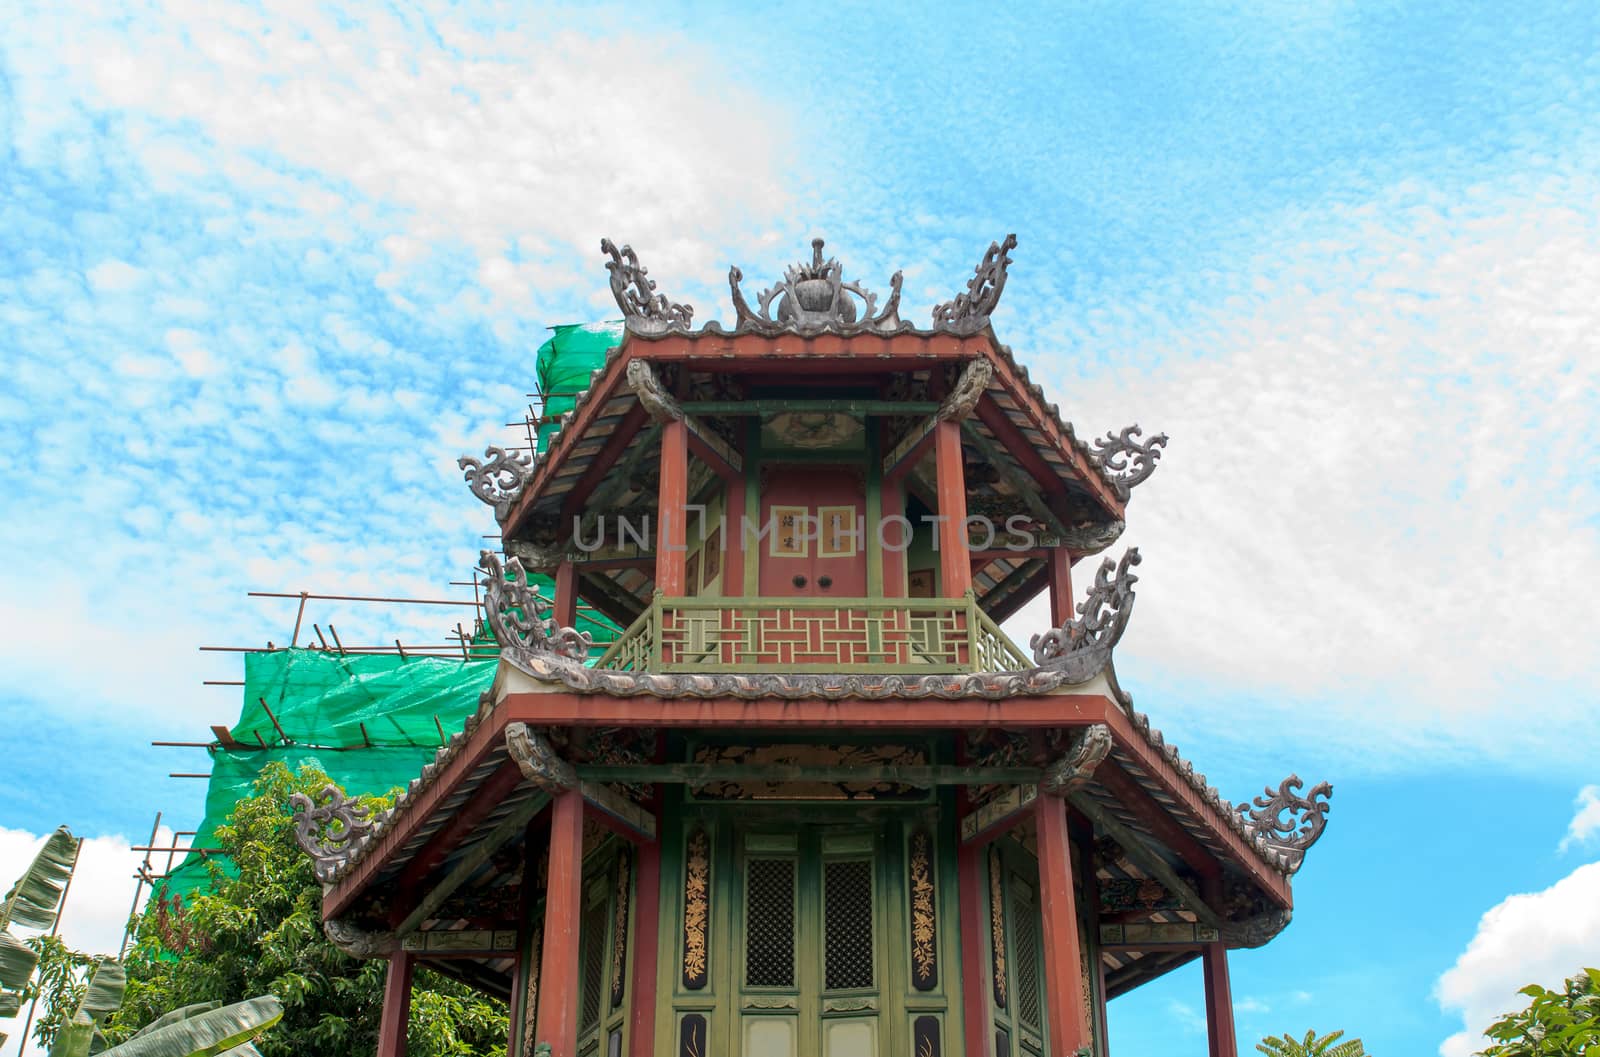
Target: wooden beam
x,y
396,1015
713,451
566,604
616,812
1063,966
560,971
822,352
912,447
1135,848
1159,821
462,822
926,775
1026,487
983,824
1058,566
480,853
844,405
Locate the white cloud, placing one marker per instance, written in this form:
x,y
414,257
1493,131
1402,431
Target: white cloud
x,y
97,904
114,275
1541,937
1585,825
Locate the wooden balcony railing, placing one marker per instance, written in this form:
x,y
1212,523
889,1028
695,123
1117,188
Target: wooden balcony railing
x,y
922,636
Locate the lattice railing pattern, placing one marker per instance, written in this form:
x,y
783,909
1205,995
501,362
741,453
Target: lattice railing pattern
x,y
920,635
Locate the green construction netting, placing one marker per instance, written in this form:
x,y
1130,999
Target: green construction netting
x,y
372,721
565,362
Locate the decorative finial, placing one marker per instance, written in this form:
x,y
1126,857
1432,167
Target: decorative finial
x,y
329,828
1103,616
517,613
815,295
1286,821
498,481
970,311
1113,452
644,310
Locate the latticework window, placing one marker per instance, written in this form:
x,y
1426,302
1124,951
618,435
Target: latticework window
x,y
1025,942
769,923
847,906
595,919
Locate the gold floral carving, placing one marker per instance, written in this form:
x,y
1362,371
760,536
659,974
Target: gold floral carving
x,y
997,928
696,908
924,920
619,931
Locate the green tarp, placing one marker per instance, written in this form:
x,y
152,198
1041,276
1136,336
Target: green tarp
x,y
372,721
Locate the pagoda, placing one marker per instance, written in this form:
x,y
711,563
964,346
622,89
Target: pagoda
x,y
812,800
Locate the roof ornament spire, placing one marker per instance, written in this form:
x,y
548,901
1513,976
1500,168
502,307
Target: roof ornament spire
x,y
970,311
1124,460
1287,821
644,310
1103,615
329,827
816,295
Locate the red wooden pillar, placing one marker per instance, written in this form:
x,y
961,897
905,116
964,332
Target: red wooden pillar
x,y
563,903
672,548
1059,565
646,940
1063,957
1219,992
893,534
955,565
566,608
733,516
974,948
396,1005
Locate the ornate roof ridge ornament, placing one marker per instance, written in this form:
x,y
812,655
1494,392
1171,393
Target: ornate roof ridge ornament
x,y
646,385
643,309
517,612
329,827
538,761
1124,461
970,311
1074,769
964,396
1286,821
1103,616
499,479
815,295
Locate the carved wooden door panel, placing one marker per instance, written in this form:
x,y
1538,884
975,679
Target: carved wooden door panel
x,y
811,966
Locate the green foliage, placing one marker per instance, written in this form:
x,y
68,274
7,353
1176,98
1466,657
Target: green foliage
x,y
59,986
1311,1046
260,933
204,1032
101,995
1563,1023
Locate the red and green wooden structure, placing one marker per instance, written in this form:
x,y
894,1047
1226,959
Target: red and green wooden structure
x,y
812,800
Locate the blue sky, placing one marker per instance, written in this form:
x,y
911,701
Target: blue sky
x,y
266,271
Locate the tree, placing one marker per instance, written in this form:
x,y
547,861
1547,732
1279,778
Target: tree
x,y
260,933
1311,1046
34,902
1563,1023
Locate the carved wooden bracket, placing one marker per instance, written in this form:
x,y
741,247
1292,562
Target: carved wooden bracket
x,y
538,762
1077,767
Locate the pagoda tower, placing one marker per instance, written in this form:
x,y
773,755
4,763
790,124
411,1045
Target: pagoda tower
x,y
812,800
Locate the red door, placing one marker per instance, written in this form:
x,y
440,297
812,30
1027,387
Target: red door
x,y
814,547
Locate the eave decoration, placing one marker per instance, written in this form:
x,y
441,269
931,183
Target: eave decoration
x,y
1103,615
970,311
1125,461
499,479
644,310
1287,821
816,295
517,612
1075,769
328,828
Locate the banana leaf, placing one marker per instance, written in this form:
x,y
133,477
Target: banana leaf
x,y
181,1013
10,1003
34,900
206,1034
17,960
101,998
